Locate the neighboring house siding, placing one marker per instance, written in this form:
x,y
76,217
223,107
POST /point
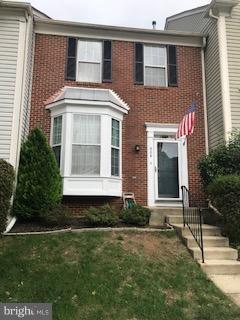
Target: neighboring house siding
x,y
198,23
147,104
188,23
28,84
233,42
9,30
213,84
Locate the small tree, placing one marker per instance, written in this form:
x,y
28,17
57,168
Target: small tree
x,y
39,187
6,190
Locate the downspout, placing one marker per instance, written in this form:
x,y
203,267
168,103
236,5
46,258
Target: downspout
x,y
205,102
224,74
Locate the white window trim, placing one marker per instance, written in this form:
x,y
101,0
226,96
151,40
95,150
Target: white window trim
x,y
155,66
99,185
92,62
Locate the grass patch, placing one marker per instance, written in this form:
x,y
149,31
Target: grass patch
x,y
110,276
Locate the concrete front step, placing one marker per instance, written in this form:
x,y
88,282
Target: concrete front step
x,y
167,210
156,219
221,267
158,215
173,219
206,229
220,264
215,253
208,241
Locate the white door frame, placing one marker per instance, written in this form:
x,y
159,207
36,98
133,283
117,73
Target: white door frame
x,y
153,130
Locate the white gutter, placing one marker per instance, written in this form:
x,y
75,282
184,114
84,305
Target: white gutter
x,y
224,74
225,86
205,102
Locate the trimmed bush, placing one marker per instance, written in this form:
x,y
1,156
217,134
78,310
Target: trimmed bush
x,y
223,160
57,216
137,215
6,189
224,193
39,187
104,216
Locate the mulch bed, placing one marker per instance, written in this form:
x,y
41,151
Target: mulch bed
x,y
77,223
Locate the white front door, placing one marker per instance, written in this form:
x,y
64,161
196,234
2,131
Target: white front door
x,y
170,159
167,170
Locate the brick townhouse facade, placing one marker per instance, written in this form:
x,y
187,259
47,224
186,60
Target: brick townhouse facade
x,y
110,100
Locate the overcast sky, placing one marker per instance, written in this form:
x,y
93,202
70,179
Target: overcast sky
x,y
132,13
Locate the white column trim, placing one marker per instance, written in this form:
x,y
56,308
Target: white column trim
x,y
224,72
150,168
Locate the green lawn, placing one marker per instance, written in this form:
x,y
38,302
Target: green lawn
x,y
110,276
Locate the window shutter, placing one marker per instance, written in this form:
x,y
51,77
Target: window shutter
x,y
71,59
139,78
172,66
107,61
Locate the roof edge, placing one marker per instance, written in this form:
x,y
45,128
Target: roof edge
x,y
116,28
118,33
56,98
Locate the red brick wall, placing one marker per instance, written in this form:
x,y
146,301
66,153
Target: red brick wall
x,y
148,104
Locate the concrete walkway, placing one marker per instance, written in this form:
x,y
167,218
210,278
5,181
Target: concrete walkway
x,y
229,284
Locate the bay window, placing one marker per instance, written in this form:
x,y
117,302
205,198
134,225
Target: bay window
x,y
86,139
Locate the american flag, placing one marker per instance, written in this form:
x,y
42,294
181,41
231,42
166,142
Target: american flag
x,y
186,126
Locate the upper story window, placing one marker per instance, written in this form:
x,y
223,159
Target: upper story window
x,y
89,60
155,65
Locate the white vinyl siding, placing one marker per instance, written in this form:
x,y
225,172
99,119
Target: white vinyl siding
x,y
9,33
28,84
199,23
233,43
187,23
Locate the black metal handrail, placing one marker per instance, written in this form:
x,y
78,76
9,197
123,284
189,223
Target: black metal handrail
x,y
192,217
